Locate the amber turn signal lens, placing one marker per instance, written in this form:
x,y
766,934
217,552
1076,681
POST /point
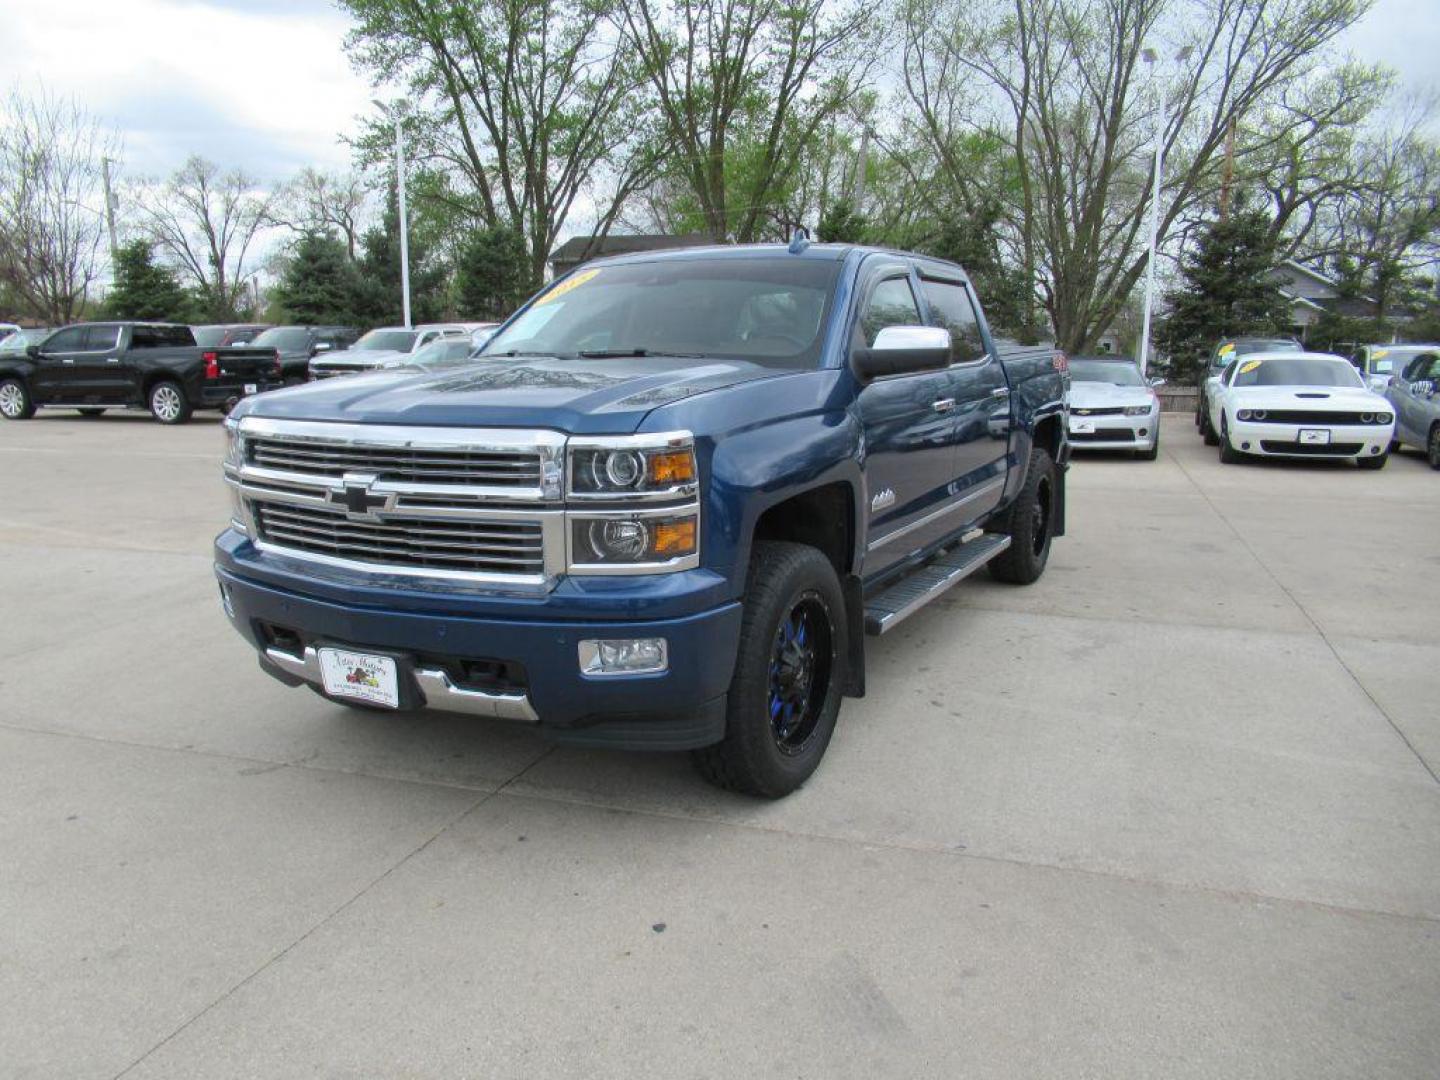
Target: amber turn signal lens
x,y
672,467
675,538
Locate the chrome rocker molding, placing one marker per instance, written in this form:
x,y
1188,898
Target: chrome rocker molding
x,y
436,686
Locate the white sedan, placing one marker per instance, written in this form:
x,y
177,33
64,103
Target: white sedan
x,y
1299,405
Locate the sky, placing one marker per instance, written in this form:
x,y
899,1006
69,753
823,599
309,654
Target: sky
x,y
264,84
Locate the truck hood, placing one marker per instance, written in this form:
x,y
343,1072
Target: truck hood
x,y
579,396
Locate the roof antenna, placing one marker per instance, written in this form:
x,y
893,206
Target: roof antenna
x,y
799,240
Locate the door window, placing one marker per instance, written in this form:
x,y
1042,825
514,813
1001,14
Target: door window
x,y
1424,366
71,339
891,304
951,308
100,338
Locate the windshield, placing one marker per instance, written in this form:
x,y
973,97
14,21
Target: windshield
x,y
22,339
1296,371
1389,361
768,310
443,349
283,337
386,341
1105,371
208,336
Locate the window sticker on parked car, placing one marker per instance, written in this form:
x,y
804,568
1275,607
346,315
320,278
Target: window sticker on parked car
x,y
566,286
1249,365
1226,349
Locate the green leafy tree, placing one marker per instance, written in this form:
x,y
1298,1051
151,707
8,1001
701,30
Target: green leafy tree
x,y
492,274
971,241
1225,291
320,283
144,289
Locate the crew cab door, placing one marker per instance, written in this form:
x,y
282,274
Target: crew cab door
x,y
908,423
55,378
981,394
98,370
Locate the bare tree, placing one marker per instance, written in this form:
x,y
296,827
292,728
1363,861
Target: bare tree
x,y
528,101
1077,115
206,221
317,202
743,88
51,203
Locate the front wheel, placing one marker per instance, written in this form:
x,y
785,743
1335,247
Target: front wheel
x,y
168,403
1207,431
1029,522
789,675
1432,447
15,400
1375,461
1152,453
1228,454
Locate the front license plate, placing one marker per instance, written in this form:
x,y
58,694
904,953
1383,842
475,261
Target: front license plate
x,y
1314,437
1082,427
360,676
251,387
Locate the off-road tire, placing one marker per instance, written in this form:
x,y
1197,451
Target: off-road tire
x,y
15,400
1029,523
750,758
1373,462
168,403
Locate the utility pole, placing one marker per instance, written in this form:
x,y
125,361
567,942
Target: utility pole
x,y
110,213
861,166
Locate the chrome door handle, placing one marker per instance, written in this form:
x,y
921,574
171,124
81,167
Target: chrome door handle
x,y
944,405
1000,392
112,359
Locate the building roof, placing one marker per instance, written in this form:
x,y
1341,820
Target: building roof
x,y
1313,275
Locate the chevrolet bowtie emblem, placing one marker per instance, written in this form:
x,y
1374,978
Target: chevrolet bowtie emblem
x,y
357,495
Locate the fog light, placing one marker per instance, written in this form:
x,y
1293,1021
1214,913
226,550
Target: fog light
x,y
1144,431
624,656
1244,446
1374,449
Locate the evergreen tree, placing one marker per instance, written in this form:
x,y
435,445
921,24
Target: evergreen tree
x,y
842,224
1225,293
143,289
492,274
380,300
320,283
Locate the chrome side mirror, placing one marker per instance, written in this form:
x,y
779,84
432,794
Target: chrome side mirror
x,y
902,350
1157,381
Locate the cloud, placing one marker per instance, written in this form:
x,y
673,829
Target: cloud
x,y
261,84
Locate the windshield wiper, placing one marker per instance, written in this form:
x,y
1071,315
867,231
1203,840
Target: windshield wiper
x,y
612,354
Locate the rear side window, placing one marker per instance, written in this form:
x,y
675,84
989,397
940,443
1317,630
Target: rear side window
x,y
146,337
951,308
1424,366
891,304
101,338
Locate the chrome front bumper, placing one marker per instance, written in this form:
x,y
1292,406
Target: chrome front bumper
x,y
436,687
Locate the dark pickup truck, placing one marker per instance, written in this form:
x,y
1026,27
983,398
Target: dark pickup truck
x,y
662,510
297,345
115,365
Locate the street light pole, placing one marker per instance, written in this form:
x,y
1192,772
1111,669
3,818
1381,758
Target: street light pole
x,y
1150,57
399,115
110,213
1158,139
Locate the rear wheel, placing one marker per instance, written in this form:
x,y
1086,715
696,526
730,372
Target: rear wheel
x,y
1029,522
789,675
15,400
168,404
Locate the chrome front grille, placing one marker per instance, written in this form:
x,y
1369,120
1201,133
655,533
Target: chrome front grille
x,y
481,547
335,459
464,504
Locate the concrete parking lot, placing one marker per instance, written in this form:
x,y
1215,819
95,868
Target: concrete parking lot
x,y
1171,812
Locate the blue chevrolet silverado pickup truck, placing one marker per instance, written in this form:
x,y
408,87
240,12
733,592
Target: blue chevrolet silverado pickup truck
x,y
661,511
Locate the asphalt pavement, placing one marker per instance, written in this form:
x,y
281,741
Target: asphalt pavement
x,y
1170,812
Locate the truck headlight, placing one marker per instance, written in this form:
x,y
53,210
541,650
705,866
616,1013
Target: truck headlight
x,y
656,465
1137,410
627,543
234,444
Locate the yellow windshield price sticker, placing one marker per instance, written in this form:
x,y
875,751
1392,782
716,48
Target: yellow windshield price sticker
x,y
566,286
1227,348
1249,365
1380,354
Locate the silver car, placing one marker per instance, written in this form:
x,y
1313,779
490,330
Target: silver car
x,y
1414,391
379,347
1112,407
